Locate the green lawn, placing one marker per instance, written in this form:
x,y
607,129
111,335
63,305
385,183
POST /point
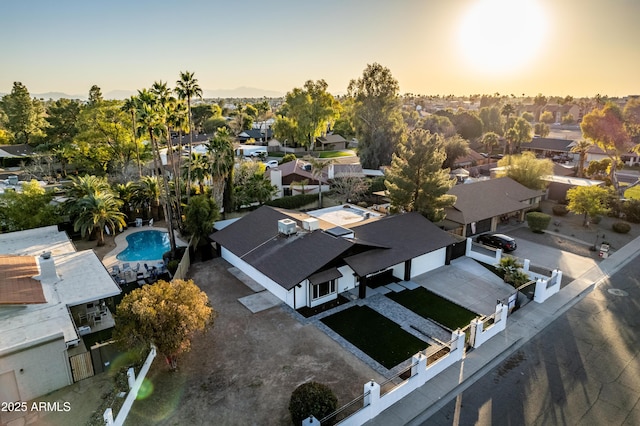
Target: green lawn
x,y
375,335
633,193
334,154
430,305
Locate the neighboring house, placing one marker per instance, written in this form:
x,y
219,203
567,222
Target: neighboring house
x,y
258,135
559,185
471,159
331,142
338,170
12,155
550,148
595,153
288,177
47,302
306,261
481,205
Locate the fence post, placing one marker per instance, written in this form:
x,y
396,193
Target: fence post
x,y
468,249
498,255
108,417
460,344
311,421
131,377
526,265
372,398
420,368
477,327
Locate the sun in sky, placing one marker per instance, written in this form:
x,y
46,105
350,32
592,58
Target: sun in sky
x,y
502,36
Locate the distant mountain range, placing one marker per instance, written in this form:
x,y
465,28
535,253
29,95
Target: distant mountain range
x,y
239,92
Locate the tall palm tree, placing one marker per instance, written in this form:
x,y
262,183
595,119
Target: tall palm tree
x,y
98,211
199,167
187,88
178,120
317,166
147,195
581,147
130,105
150,121
222,158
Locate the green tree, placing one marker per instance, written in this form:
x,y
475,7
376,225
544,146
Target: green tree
x,y
438,124
588,200
547,117
166,314
203,112
24,116
416,180
541,129
97,211
468,125
631,114
200,215
605,127
285,129
187,87
489,141
62,119
222,159
526,169
492,120
95,96
568,119
148,195
581,147
130,106
311,399
521,132
528,116
34,201
377,117
454,148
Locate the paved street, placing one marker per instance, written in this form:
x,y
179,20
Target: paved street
x,y
581,370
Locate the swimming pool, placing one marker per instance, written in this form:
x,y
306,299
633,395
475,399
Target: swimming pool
x,y
145,245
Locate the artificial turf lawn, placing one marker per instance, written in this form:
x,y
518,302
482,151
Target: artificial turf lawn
x,y
377,336
430,305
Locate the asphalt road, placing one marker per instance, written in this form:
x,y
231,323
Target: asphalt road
x,y
583,369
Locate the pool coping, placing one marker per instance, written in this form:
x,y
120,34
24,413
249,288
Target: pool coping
x,y
110,259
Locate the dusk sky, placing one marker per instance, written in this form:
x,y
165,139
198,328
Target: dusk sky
x,y
460,47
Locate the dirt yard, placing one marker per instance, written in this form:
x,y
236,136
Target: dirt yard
x,y
244,370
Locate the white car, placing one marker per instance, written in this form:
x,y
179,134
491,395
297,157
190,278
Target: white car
x,y
271,164
258,153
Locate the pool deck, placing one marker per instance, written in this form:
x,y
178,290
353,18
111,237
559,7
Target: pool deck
x,y
110,259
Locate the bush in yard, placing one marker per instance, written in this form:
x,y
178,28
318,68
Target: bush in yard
x,y
311,398
596,219
538,222
288,157
560,210
631,210
621,227
293,201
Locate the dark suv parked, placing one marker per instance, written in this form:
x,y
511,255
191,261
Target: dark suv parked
x,y
501,241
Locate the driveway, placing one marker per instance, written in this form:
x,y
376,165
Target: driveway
x,y
551,258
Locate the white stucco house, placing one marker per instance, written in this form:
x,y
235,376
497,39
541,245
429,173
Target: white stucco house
x,y
309,259
50,295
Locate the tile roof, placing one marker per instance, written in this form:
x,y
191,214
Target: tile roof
x,y
17,286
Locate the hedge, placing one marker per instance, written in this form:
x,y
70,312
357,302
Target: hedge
x,y
293,201
537,221
621,227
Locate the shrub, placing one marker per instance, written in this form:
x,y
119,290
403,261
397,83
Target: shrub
x,y
596,219
311,398
631,210
377,184
537,221
288,157
560,210
172,266
293,202
621,227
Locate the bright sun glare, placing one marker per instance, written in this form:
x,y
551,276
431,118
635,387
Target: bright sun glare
x,y
499,36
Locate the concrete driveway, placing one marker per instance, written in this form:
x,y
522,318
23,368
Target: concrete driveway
x,y
551,258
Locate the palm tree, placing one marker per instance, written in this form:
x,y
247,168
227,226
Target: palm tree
x,y
187,87
178,120
125,192
82,186
222,159
147,194
199,167
98,211
489,140
317,167
131,105
581,147
150,121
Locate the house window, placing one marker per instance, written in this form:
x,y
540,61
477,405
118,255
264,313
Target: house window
x,y
324,289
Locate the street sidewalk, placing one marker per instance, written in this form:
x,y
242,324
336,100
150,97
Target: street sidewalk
x,y
522,325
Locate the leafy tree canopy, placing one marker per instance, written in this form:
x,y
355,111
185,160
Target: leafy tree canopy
x,y
24,116
166,314
588,200
526,169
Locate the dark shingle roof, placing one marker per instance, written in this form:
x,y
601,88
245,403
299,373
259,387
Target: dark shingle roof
x,y
334,138
407,236
286,260
485,199
549,144
20,150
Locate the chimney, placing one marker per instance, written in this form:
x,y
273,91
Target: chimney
x,y
47,268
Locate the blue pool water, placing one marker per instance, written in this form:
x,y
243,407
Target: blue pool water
x,y
145,245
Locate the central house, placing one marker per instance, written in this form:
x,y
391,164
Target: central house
x,y
308,259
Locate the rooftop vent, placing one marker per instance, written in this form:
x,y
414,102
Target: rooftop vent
x,y
310,224
286,226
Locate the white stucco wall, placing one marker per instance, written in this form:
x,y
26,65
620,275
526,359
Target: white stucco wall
x,y
45,367
428,262
347,281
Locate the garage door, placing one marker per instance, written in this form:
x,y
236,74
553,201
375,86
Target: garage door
x,y
481,226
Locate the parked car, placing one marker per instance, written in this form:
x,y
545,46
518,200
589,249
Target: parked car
x,y
271,163
258,153
501,241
